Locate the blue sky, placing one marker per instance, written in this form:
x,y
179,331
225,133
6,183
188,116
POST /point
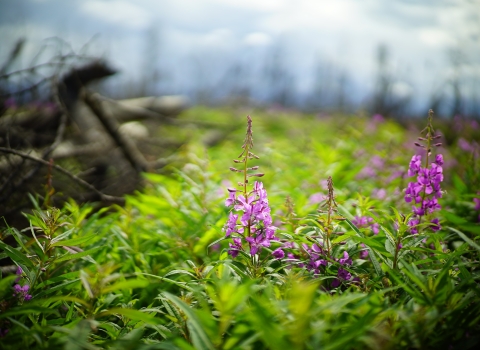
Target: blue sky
x,y
196,42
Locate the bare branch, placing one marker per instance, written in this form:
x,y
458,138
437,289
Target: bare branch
x,y
103,196
128,148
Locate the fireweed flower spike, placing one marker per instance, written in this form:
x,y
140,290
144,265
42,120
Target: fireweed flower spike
x,y
426,190
251,226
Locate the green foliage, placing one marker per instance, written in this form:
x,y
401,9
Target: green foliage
x,y
155,274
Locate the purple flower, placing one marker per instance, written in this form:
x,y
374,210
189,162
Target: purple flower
x,y
413,223
365,221
379,193
21,292
465,145
231,197
235,248
256,217
477,203
439,159
346,260
19,274
363,253
436,225
377,162
415,165
316,198
342,275
257,243
378,118
425,191
231,225
278,254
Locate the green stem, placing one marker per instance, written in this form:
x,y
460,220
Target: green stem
x,y
429,140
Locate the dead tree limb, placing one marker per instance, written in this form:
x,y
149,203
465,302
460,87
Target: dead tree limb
x,y
103,196
13,55
128,147
45,154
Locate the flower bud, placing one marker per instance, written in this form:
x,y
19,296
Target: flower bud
x,y
419,145
438,144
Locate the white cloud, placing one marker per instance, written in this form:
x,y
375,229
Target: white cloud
x,y
221,37
257,39
121,12
401,89
435,37
256,5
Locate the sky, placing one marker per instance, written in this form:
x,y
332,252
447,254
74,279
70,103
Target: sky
x,y
213,45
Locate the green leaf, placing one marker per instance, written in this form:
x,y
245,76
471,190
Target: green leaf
x,y
132,314
465,238
65,298
181,272
73,242
68,256
342,238
180,284
201,340
217,241
50,290
16,256
27,309
18,237
6,285
459,184
389,235
128,284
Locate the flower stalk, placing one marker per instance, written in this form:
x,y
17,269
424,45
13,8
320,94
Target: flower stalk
x,y
426,190
251,208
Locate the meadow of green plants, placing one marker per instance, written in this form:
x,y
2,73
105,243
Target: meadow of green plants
x,y
346,236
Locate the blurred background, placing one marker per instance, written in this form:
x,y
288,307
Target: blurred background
x,y
398,57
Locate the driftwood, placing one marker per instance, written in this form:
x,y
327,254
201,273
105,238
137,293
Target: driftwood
x,y
129,150
104,197
80,130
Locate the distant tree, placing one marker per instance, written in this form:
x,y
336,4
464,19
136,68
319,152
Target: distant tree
x,y
386,100
280,82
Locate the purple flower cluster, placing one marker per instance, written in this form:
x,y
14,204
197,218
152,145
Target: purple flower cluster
x,y
366,221
342,274
21,293
315,258
255,225
425,191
